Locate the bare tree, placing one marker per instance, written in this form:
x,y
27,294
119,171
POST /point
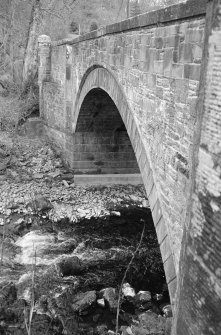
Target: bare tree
x,y
38,15
30,59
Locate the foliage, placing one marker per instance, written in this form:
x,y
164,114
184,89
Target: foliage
x,y
93,26
135,8
74,27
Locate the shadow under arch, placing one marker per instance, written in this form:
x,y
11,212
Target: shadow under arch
x,y
99,77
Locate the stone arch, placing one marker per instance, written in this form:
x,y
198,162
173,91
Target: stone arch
x,y
100,77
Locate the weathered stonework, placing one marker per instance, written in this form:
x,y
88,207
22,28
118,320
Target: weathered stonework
x,y
150,66
199,298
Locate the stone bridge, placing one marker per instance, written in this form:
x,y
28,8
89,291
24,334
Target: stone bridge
x,y
144,95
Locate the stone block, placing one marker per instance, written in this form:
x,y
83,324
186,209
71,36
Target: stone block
x,y
175,56
165,248
181,91
169,268
177,70
161,229
142,53
149,183
156,212
197,53
186,53
168,59
153,197
68,72
195,35
158,42
192,71
172,286
150,58
159,67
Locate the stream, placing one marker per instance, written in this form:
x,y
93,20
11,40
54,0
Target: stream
x,y
66,248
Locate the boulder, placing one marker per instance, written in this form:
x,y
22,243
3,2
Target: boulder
x,y
101,302
167,310
110,296
70,266
83,301
40,204
126,330
143,296
128,291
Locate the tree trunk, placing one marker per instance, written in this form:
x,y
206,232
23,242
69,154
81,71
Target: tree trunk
x,y
31,52
6,63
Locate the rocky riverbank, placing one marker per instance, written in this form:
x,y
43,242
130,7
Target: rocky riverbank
x,y
65,250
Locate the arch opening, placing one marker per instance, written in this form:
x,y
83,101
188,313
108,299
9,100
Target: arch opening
x,y
101,82
102,145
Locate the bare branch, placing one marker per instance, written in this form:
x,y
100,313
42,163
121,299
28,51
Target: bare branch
x,y
52,13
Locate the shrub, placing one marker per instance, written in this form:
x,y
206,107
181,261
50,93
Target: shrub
x,y
93,26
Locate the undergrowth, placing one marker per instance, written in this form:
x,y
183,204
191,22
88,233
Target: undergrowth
x,y
17,105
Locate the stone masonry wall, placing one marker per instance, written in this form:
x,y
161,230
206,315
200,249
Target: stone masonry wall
x,y
158,69
199,299
155,59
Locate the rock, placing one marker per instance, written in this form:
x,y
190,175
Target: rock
x,y
115,213
83,301
143,296
145,203
38,175
65,183
101,302
167,310
18,225
64,247
128,291
82,213
134,198
149,323
2,178
126,330
14,174
102,330
110,296
54,174
70,266
126,317
40,204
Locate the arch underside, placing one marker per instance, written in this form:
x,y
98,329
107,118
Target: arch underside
x,y
101,79
102,145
